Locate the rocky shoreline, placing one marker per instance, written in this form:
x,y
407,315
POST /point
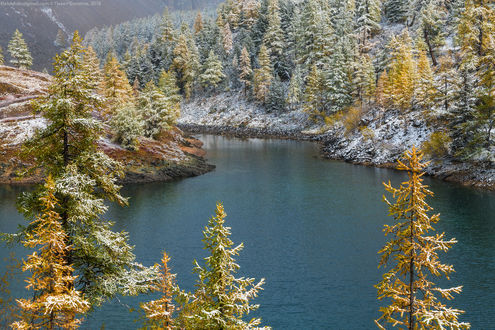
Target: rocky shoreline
x,y
333,146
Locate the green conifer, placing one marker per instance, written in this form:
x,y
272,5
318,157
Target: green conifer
x,y
19,52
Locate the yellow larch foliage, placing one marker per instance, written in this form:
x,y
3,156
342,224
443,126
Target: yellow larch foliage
x,y
414,258
159,312
263,76
382,92
402,72
425,90
56,303
115,86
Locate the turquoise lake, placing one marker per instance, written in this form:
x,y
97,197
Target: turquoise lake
x,y
311,227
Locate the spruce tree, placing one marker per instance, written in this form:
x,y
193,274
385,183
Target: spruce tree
x,y
84,178
56,303
368,17
431,28
159,112
446,84
263,76
19,52
313,94
295,93
414,255
396,10
246,71
274,38
220,300
127,126
212,71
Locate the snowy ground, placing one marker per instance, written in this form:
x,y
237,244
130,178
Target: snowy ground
x,y
381,137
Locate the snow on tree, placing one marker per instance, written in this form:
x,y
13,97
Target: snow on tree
x,y
365,80
295,92
246,71
447,83
313,94
382,95
115,86
415,302
159,313
167,30
60,40
185,64
198,23
127,126
402,72
396,10
1,56
220,300
92,66
19,52
263,76
431,27
85,178
274,37
56,302
212,71
159,112
368,17
424,92
249,12
276,96
227,38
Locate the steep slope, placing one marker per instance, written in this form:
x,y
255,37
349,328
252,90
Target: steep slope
x,y
40,21
171,156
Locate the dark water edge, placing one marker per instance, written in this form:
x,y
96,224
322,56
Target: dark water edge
x,y
311,227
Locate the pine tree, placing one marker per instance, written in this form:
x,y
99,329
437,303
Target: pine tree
x,y
159,313
263,76
85,177
60,40
159,112
249,12
127,126
19,52
167,28
115,86
295,93
56,302
212,71
415,259
246,71
220,300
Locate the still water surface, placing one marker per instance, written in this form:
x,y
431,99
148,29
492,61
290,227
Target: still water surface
x,y
311,227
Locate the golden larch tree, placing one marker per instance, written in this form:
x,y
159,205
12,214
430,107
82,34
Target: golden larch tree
x,y
414,254
56,303
159,313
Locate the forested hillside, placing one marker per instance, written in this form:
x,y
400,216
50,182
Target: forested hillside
x,y
427,63
39,21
